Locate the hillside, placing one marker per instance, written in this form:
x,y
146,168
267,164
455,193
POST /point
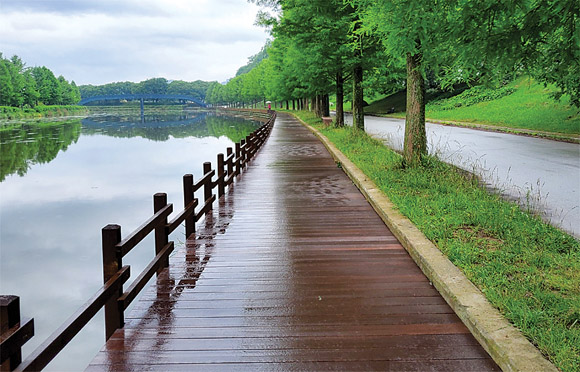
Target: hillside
x,y
522,104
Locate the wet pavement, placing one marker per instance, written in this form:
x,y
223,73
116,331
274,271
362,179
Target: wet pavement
x,y
542,175
293,271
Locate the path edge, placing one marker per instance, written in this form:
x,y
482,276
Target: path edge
x,y
507,346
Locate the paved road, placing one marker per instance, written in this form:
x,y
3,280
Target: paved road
x,y
541,173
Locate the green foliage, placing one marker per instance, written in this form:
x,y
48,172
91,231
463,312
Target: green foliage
x,y
471,96
254,60
27,87
152,86
9,112
530,106
526,268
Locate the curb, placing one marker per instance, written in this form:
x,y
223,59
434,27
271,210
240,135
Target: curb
x,y
503,342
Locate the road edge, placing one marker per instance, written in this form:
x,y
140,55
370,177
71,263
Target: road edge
x,y
503,342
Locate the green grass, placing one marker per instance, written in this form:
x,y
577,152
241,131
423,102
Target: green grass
x,y
528,106
526,268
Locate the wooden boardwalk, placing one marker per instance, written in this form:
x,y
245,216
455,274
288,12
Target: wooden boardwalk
x,y
293,272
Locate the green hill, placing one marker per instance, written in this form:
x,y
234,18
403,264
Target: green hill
x,y
522,104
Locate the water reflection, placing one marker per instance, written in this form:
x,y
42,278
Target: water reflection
x,y
62,182
165,127
22,146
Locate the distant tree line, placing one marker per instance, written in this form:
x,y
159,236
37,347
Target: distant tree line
x,y
341,47
22,86
196,88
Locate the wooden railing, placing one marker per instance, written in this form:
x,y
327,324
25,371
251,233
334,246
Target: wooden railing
x,y
112,296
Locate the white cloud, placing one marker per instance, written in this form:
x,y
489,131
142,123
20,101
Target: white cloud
x,y
95,42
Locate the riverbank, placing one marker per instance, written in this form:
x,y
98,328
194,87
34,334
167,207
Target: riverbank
x,y
528,270
11,113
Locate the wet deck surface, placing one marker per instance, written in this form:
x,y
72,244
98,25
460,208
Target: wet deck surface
x,y
295,273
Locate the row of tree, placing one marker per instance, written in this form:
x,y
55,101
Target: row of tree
x,y
22,86
196,89
321,45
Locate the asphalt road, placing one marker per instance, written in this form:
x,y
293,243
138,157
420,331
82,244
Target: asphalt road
x,y
540,174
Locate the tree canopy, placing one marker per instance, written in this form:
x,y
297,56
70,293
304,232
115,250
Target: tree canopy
x,y
22,86
319,45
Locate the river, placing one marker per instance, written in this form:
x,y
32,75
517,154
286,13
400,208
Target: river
x,y
62,181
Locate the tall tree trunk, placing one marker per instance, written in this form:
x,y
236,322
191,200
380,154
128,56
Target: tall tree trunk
x,y
287,107
325,105
357,98
415,136
316,105
339,99
293,105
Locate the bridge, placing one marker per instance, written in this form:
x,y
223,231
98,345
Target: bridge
x,y
142,98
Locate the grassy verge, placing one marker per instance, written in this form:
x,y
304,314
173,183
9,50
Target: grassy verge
x,y
523,104
526,268
10,113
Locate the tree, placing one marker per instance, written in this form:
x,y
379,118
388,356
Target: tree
x,y
153,86
30,93
416,31
315,49
540,37
46,84
6,89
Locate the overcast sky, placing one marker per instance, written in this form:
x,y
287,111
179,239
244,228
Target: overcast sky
x,y
102,41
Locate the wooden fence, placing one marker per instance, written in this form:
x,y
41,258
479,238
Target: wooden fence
x,y
15,332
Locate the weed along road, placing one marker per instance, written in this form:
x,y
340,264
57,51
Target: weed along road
x,y
541,174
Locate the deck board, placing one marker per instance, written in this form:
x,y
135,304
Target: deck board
x,y
294,271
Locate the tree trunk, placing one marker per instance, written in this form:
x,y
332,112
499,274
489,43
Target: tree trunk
x,y
325,105
339,99
415,137
316,105
293,105
357,98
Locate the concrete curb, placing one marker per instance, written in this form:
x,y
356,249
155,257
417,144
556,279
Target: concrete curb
x,y
505,344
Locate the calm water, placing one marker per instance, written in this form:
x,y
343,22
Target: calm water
x,y
60,183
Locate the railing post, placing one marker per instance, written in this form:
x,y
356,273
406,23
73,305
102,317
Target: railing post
x,y
161,234
114,318
238,155
187,199
244,153
221,175
230,163
207,187
9,317
249,146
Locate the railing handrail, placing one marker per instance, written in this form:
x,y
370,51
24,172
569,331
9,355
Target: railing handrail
x,y
131,241
111,295
65,333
